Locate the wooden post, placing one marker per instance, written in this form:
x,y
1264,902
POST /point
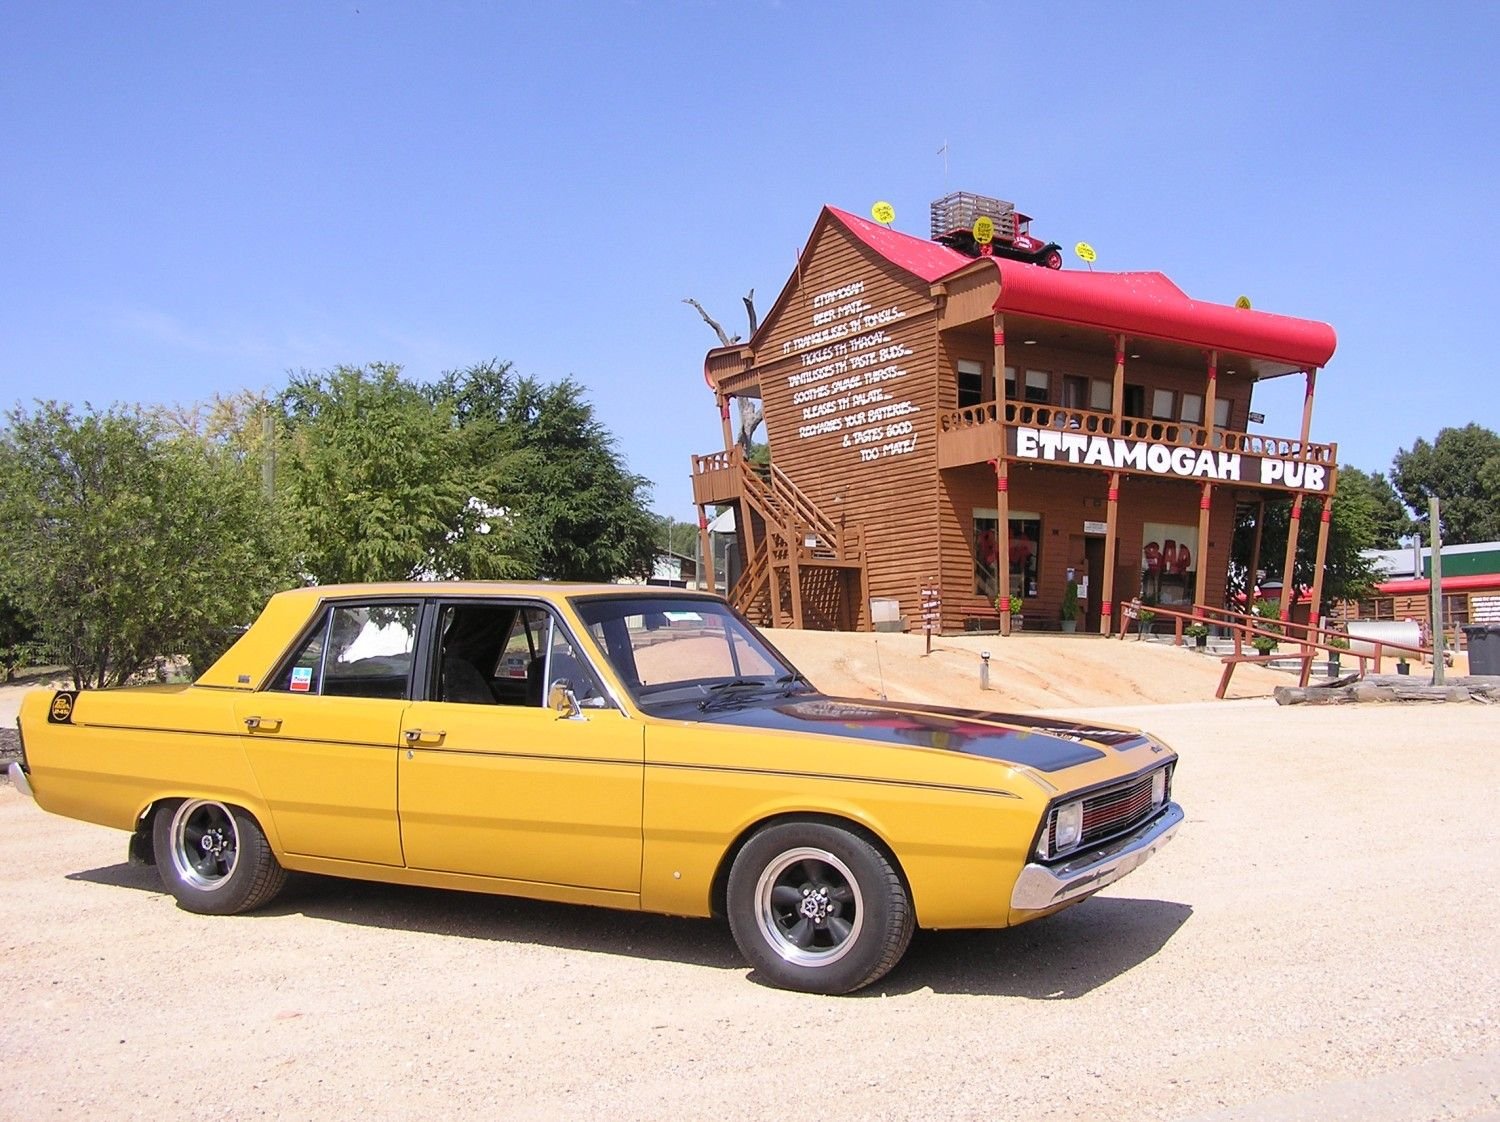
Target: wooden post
x,y
1002,541
1435,575
705,543
729,441
1251,577
773,576
1315,617
1118,400
1288,569
1210,401
794,548
1307,404
1200,590
997,374
1106,605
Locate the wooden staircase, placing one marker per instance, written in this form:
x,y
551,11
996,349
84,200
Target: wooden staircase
x,y
799,568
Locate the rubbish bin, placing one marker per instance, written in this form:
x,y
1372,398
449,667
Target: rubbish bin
x,y
1483,641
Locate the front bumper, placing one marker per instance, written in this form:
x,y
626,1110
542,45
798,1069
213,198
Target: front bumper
x,y
1040,887
18,777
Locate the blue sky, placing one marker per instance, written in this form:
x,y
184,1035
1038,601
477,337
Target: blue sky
x,y
199,197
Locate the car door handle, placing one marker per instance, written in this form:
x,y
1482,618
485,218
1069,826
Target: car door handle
x,y
418,736
263,724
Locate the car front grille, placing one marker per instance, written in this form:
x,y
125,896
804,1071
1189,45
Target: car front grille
x,y
1114,810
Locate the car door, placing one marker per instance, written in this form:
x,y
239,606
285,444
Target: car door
x,y
323,733
495,783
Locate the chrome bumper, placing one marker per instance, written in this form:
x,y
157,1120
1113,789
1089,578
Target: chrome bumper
x,y
18,777
1045,886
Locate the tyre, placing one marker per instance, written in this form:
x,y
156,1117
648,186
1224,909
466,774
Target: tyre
x,y
214,858
1052,259
817,908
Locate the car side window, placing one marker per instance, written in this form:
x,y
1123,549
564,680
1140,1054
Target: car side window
x,y
565,664
358,650
506,654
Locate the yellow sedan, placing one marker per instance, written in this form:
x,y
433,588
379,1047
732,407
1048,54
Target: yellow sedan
x,y
630,747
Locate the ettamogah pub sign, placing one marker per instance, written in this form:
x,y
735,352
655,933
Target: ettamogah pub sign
x,y
1149,458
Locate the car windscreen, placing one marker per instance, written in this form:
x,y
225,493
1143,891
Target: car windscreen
x,y
673,651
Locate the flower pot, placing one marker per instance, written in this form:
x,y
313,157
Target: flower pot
x,y
1201,642
1070,625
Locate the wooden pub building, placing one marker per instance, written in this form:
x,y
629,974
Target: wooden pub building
x,y
999,430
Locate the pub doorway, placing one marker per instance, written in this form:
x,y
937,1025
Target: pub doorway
x,y
1093,562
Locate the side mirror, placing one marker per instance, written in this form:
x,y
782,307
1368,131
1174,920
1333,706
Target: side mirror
x,y
562,700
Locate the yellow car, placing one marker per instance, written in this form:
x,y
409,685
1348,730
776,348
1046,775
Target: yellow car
x,y
637,748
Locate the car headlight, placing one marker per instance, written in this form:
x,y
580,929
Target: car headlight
x,y
1159,787
1067,826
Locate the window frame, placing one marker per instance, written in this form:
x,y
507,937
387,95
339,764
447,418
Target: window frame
x,y
321,621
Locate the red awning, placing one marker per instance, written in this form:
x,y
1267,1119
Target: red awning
x,y
1141,305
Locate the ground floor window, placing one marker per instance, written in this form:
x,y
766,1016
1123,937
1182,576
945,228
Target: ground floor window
x,y
1382,607
1169,564
1024,553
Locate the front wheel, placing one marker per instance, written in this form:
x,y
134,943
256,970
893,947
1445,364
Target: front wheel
x,y
214,858
1052,259
817,908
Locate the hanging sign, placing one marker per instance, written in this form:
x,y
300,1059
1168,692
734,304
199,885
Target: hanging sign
x,y
883,213
1085,252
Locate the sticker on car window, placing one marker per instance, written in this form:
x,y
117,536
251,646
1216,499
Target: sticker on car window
x,y
683,617
302,679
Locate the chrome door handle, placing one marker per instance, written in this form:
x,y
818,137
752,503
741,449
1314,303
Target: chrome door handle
x,y
263,724
416,736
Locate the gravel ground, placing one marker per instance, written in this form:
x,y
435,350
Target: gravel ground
x,y
1318,942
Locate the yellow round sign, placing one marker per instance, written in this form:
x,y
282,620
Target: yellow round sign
x,y
1242,302
984,229
883,212
1085,252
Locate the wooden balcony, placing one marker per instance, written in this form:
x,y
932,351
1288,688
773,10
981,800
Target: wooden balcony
x,y
716,478
1082,438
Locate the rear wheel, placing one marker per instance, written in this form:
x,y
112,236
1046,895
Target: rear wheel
x,y
817,908
214,858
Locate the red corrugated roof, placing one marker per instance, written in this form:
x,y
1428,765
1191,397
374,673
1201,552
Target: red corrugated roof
x,y
1134,304
1469,582
928,260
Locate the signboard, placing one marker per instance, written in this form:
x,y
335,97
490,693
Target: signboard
x,y
1146,457
1242,303
848,384
883,213
932,611
1096,527
1085,252
984,229
1257,418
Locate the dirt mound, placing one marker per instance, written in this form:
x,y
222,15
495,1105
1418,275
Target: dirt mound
x,y
1026,671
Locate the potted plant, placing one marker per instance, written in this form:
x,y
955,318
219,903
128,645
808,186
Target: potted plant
x,y
1143,621
1198,633
1267,618
1336,644
1017,620
1071,608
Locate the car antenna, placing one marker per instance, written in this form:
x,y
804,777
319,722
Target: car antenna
x,y
880,673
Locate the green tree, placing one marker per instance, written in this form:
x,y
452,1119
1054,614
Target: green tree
x,y
577,511
127,543
1353,527
1462,469
383,483
18,637
1389,519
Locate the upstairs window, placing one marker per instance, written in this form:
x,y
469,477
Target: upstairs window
x,y
970,382
1191,409
1101,395
1221,413
1163,405
1038,387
